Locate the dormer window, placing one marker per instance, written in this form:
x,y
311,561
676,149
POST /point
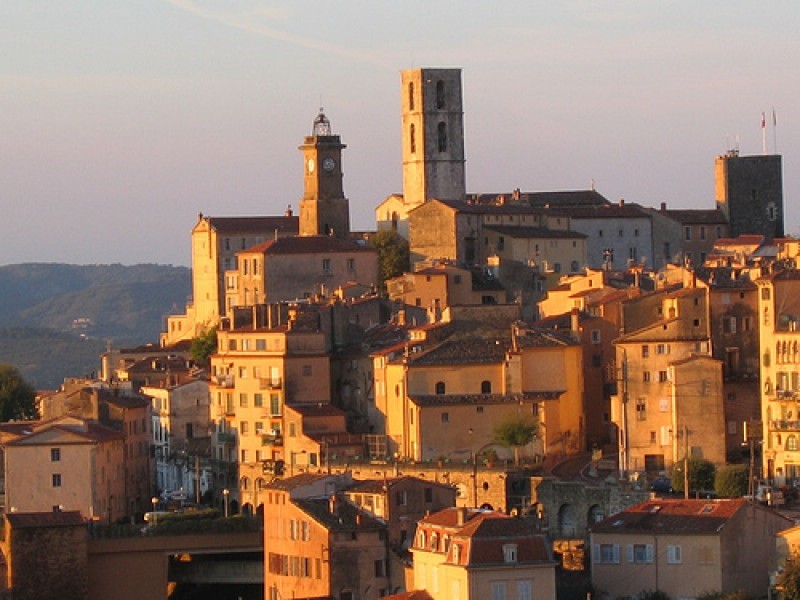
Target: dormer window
x,y
510,553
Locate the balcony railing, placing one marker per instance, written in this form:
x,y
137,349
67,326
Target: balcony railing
x,y
780,425
271,439
225,381
270,383
226,438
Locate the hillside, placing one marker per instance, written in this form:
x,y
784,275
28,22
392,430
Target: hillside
x,y
56,318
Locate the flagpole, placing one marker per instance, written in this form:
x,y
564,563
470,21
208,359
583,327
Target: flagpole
x,y
774,131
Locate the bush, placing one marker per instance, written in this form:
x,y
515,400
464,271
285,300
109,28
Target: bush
x,y
731,482
701,475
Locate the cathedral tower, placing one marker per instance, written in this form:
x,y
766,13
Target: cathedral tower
x,y
324,210
433,136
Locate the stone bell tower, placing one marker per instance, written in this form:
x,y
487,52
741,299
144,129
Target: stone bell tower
x,y
324,210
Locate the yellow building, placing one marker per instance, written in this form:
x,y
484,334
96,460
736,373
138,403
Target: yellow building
x,y
464,554
256,372
66,464
779,333
685,548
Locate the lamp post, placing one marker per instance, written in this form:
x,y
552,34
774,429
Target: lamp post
x,y
225,493
154,501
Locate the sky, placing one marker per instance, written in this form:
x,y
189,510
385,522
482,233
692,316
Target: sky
x,y
121,120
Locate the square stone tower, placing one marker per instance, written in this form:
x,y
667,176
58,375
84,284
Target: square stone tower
x,y
749,191
433,136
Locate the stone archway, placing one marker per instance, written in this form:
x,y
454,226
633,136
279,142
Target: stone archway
x,y
567,521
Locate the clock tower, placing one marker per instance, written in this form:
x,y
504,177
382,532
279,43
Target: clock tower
x,y
324,210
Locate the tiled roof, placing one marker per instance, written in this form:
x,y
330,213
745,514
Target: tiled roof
x,y
345,515
317,410
89,430
288,484
457,399
312,244
543,338
697,216
534,232
670,516
234,225
377,486
122,400
68,518
560,198
463,351
610,211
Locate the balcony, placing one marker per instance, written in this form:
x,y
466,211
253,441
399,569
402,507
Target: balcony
x,y
272,439
225,381
226,438
780,425
270,383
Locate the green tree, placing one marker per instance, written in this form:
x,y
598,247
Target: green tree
x,y
701,475
789,580
393,255
203,346
17,396
515,432
731,482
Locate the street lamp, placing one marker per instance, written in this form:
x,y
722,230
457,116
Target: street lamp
x,y
225,493
154,500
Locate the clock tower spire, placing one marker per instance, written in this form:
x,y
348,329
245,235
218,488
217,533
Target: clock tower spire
x,y
324,210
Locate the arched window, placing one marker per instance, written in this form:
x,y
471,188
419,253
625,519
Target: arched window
x,y
442,136
486,387
411,95
440,94
440,387
244,483
412,138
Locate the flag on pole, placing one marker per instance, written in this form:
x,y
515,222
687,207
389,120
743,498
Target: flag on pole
x,y
763,120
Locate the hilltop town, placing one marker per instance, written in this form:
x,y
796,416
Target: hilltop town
x,y
493,395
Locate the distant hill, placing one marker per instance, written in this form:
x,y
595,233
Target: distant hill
x,y
52,316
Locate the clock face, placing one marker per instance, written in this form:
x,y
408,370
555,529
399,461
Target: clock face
x,y
329,164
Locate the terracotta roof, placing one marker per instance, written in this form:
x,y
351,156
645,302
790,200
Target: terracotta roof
x,y
534,232
670,516
313,244
288,484
377,486
317,410
91,432
455,399
543,338
742,240
541,199
463,351
613,211
233,225
345,515
22,520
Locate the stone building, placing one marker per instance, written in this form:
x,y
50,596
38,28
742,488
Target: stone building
x,y
749,192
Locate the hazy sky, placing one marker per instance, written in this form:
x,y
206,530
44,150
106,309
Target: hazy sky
x,y
120,120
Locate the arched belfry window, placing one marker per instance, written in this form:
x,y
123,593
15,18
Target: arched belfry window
x,y
440,94
442,136
412,138
411,96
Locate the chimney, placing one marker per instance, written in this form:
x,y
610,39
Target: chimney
x,y
401,317
622,201
461,515
288,212
574,324
332,504
663,206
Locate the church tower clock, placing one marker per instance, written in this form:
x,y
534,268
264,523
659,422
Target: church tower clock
x,y
324,210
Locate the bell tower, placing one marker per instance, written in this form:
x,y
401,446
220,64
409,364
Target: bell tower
x,y
324,210
433,136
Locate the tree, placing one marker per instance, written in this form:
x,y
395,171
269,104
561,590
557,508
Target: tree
x,y
203,346
731,482
701,475
789,580
17,396
393,255
515,432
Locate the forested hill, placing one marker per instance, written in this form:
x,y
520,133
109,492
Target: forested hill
x,y
54,317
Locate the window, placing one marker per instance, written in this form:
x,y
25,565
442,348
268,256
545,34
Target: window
x,y
428,494
640,553
702,232
645,351
307,371
442,137
687,233
729,324
258,400
445,417
574,266
56,479
662,377
275,405
243,400
401,498
55,454
498,590
765,293
486,387
791,442
510,553
351,264
440,95
662,349
606,554
411,95
440,387
380,568
595,335
244,428
525,590
641,409
646,376
326,265
674,555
